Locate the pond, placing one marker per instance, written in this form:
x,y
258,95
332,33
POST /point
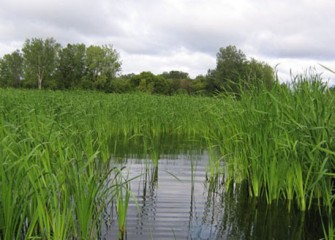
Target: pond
x,y
176,199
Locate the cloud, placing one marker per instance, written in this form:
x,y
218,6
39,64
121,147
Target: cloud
x,y
181,60
161,34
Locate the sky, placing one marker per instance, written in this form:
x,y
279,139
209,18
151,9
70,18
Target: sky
x,y
184,35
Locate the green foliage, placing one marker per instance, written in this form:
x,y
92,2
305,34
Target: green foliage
x,y
44,63
177,75
11,69
40,60
258,75
72,66
150,83
179,82
119,85
200,85
235,74
102,65
230,64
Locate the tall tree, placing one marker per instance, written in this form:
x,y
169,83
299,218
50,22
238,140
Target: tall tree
x,y
259,74
40,59
234,73
72,65
103,64
230,63
11,69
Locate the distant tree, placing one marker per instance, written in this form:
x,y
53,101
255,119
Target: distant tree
x,y
185,86
230,67
150,83
40,59
213,84
200,85
179,81
102,64
119,85
72,66
11,69
234,73
127,76
175,75
259,74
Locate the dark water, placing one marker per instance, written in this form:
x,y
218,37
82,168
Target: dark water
x,y
176,200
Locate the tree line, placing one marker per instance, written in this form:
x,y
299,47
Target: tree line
x,y
44,63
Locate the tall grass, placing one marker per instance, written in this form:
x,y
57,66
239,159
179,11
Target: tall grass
x,y
55,150
122,195
281,142
50,189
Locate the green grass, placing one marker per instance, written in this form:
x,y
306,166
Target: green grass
x,y
281,142
55,154
55,150
122,195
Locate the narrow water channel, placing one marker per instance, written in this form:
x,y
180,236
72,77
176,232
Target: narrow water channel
x,y
177,200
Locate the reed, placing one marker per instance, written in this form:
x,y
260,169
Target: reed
x,y
37,151
281,141
55,150
122,196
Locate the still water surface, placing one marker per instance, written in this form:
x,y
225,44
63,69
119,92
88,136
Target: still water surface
x,y
177,200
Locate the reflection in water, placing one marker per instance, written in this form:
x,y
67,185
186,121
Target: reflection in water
x,y
175,200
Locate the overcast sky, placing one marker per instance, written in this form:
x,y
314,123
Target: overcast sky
x,y
185,35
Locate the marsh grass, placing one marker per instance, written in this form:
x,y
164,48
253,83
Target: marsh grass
x,y
281,141
56,147
122,196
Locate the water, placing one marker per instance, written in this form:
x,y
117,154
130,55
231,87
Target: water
x,y
176,200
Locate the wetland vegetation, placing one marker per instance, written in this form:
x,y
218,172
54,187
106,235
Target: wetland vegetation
x,y
56,176
64,148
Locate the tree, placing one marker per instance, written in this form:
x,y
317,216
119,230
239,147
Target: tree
x,y
40,59
200,85
234,73
175,75
102,65
150,83
11,69
230,63
179,81
213,84
259,74
121,84
72,66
